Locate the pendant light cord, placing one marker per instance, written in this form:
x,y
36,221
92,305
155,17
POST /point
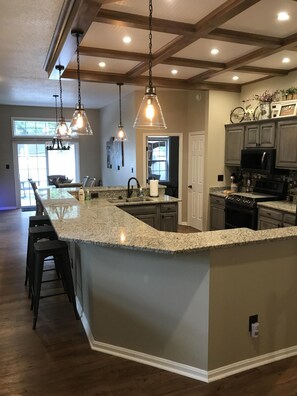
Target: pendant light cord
x,y
78,69
120,102
61,93
150,42
56,107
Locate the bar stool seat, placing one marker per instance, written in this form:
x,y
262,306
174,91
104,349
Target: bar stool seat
x,y
59,250
39,220
35,234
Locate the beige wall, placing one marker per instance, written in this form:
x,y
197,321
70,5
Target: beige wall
x,y
109,120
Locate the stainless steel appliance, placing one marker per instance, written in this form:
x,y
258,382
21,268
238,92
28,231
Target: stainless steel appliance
x,y
241,208
258,160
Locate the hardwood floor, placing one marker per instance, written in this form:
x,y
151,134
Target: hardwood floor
x,y
56,359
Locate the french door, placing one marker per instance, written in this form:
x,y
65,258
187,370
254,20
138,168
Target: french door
x,y
32,160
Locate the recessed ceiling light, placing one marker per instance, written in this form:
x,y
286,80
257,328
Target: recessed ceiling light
x,y
127,39
235,78
286,60
102,64
283,16
174,71
214,51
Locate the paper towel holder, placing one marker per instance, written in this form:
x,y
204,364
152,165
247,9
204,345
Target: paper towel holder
x,y
154,188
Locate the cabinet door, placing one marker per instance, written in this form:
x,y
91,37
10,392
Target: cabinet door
x,y
265,223
150,219
251,138
233,144
168,222
217,217
267,134
286,147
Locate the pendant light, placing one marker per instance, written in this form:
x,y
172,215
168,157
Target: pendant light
x,y
121,134
57,143
79,124
150,113
62,130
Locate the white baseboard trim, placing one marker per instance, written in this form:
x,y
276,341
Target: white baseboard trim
x,y
248,364
183,369
184,223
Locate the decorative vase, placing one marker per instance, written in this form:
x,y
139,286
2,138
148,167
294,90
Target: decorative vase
x,y
265,110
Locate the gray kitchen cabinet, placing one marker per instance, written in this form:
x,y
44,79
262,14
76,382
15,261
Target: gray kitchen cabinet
x,y
217,213
146,213
234,139
168,217
271,218
286,146
160,216
259,135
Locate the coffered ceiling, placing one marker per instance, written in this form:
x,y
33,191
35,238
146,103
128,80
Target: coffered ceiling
x,y
251,42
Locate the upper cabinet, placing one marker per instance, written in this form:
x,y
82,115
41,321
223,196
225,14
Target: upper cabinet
x,y
260,135
233,144
286,146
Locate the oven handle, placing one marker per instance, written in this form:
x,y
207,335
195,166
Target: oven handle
x,y
263,159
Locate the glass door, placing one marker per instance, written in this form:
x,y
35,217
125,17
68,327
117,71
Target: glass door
x,y
35,162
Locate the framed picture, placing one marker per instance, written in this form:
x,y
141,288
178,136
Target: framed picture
x,y
284,109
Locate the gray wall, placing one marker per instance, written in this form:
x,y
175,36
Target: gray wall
x,y
89,147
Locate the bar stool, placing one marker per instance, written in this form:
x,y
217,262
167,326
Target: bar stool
x,y
35,234
59,250
39,220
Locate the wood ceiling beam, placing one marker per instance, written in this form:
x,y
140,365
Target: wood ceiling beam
x,y
75,14
141,22
113,78
220,15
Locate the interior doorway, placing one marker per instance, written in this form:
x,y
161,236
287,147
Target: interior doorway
x,y
162,160
196,179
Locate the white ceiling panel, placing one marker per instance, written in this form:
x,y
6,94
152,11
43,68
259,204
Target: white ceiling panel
x,y
110,36
227,77
261,18
200,49
187,11
183,72
112,65
275,61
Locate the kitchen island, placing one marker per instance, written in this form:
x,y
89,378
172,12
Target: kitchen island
x,y
180,302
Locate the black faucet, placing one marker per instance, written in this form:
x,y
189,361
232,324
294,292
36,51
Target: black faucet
x,y
130,189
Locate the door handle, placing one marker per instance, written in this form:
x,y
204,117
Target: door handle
x,y
190,186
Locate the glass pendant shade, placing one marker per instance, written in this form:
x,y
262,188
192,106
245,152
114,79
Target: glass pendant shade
x,y
121,134
62,130
80,124
150,113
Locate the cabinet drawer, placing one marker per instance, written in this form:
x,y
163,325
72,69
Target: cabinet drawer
x,y
217,200
140,209
165,208
289,218
273,214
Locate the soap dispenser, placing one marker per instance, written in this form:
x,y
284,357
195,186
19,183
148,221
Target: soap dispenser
x,y
81,194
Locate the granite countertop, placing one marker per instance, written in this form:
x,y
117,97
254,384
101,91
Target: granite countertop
x,y
284,206
101,222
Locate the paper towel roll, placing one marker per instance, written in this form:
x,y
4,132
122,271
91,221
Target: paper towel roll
x,y
154,188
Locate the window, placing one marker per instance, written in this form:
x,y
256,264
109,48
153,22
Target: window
x,y
158,158
31,128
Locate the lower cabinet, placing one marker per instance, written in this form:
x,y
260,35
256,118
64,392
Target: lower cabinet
x,y
270,218
217,213
163,217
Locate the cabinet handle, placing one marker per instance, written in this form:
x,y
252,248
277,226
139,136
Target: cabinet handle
x,y
190,186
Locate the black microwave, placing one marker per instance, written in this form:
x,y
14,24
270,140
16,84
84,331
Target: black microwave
x,y
258,160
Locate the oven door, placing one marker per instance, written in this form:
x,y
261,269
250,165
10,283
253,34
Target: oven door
x,y
238,216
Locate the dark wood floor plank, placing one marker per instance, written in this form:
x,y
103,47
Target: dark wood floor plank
x,y
56,359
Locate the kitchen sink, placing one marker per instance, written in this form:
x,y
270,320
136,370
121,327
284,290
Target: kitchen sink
x,y
132,199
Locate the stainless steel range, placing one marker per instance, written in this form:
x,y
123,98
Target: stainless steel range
x,y
241,208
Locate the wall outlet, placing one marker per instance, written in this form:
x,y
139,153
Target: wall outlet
x,y
220,177
252,319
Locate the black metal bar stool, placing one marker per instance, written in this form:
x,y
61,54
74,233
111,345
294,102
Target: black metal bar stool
x,y
35,234
39,220
59,250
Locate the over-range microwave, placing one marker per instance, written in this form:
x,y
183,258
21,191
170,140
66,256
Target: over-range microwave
x,y
258,160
